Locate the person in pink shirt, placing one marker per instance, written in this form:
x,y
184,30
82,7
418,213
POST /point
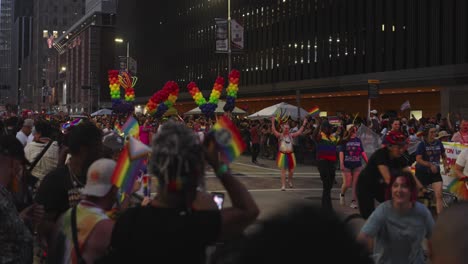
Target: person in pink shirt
x,y
145,131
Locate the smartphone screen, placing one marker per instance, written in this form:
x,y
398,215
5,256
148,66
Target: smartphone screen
x,y
218,198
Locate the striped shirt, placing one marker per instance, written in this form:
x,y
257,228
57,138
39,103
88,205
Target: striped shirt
x,y
326,147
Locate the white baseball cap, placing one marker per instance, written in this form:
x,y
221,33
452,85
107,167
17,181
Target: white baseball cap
x,y
374,112
99,178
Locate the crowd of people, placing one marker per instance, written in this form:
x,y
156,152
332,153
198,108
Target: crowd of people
x,y
57,198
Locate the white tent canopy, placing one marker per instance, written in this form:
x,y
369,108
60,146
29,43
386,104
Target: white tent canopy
x,y
219,110
287,109
102,112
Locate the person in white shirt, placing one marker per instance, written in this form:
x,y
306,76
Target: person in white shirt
x,y
25,131
49,160
461,165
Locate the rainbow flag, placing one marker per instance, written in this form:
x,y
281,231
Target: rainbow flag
x,y
459,187
129,166
118,130
131,127
229,139
315,111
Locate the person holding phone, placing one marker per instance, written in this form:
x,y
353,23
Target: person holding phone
x,y
182,220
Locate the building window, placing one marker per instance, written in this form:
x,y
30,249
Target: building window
x,y
45,34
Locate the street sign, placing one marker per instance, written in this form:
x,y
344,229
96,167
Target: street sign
x,y
373,91
132,65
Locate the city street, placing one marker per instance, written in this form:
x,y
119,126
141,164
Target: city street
x,y
263,181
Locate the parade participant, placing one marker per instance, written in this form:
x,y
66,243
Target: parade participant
x,y
428,156
395,126
60,189
182,220
461,165
25,131
326,157
87,221
443,136
350,152
285,158
396,229
462,135
376,176
16,241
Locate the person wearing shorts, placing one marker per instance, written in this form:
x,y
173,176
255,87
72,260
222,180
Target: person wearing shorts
x,y
350,151
428,156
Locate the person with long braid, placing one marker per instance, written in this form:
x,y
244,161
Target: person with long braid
x,y
183,219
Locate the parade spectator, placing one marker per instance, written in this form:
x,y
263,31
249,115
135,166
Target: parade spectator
x,y
182,220
396,229
87,221
48,161
374,122
395,126
461,165
25,131
326,159
16,241
285,159
286,238
462,135
428,156
375,177
350,152
449,242
112,145
145,131
60,189
254,141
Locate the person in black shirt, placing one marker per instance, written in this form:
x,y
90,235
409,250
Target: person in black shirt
x,y
60,189
383,164
182,220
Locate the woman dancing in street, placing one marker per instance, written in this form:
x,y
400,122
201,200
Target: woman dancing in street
x,y
285,158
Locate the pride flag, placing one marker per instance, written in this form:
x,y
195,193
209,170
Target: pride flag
x,y
229,139
131,161
131,127
315,111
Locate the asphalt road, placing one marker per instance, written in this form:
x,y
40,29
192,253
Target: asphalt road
x,y
263,181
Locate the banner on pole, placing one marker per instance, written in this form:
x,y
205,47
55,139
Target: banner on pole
x,y
405,105
221,35
237,35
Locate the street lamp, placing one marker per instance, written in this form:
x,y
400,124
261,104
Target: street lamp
x,y
120,40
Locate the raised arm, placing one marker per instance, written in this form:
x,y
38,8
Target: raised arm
x,y
273,128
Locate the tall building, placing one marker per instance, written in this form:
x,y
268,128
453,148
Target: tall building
x,y
21,44
6,19
51,18
78,64
312,51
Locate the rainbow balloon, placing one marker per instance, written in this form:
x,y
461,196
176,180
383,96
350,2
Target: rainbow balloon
x,y
128,83
232,90
207,107
114,84
163,99
196,94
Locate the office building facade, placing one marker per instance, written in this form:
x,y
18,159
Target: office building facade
x,y
50,20
6,20
312,50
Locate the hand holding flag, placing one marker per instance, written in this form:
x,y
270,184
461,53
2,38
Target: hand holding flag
x,y
314,111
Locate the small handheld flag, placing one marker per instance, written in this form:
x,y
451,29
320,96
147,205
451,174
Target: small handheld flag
x,y
229,139
129,164
314,111
131,127
459,187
